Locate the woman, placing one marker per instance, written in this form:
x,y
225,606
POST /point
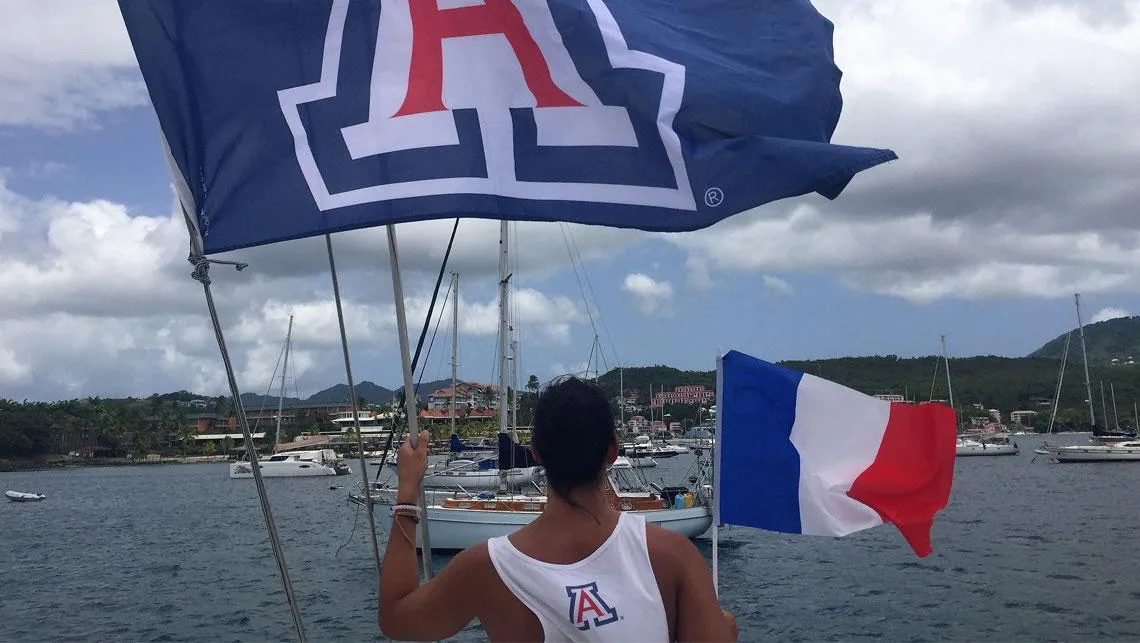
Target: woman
x,y
580,571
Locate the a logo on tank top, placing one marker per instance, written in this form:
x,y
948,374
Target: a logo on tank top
x,y
588,608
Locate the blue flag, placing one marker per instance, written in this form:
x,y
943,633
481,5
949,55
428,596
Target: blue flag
x,y
292,118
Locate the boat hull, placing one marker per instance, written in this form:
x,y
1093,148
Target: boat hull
x,y
1094,453
456,529
985,450
480,479
242,470
1106,438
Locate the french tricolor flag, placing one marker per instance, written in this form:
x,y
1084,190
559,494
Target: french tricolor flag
x,y
799,454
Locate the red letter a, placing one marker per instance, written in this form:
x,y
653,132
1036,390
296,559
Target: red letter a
x,y
431,25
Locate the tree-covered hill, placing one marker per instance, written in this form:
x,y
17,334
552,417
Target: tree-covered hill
x,y
1105,341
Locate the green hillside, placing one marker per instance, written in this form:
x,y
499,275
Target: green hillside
x,y
1105,341
1004,383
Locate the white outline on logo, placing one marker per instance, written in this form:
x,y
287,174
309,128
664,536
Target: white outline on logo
x,y
502,181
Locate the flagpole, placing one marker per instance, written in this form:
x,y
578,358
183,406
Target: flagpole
x,y
201,274
716,473
409,388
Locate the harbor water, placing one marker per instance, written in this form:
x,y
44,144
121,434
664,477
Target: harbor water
x,y
1027,550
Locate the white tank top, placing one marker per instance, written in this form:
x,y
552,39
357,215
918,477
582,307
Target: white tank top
x,y
611,595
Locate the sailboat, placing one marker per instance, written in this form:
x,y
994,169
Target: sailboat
x,y
469,466
1107,446
977,445
472,466
291,463
461,520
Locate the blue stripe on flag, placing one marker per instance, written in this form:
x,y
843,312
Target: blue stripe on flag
x,y
759,466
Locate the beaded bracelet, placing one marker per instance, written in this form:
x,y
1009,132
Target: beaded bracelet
x,y
403,510
411,507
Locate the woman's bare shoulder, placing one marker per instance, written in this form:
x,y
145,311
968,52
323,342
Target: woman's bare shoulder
x,y
670,550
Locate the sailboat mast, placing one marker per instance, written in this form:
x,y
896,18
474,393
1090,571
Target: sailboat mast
x,y
1085,357
1103,405
515,384
454,344
284,369
1115,414
503,319
949,388
1060,381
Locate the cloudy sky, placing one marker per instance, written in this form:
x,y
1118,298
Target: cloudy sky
x,y
1016,122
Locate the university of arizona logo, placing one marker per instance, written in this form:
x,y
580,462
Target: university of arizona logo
x,y
587,608
511,98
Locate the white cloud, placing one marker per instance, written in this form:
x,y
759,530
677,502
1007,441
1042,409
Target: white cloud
x,y
922,260
651,297
11,368
96,299
91,258
1019,144
62,62
1105,314
777,286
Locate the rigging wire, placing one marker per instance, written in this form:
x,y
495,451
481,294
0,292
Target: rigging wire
x,y
578,278
1060,380
269,388
597,303
350,534
934,380
434,333
353,400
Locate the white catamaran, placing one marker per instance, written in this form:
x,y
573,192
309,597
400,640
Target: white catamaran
x,y
294,463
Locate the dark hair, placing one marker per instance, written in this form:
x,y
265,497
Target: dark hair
x,y
573,430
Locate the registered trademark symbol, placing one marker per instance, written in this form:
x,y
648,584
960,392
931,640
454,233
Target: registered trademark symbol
x,y
714,197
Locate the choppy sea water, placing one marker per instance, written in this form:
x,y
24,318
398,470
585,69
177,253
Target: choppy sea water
x,y
1027,550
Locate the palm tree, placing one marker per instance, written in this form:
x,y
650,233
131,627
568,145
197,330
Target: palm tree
x,y
532,384
485,397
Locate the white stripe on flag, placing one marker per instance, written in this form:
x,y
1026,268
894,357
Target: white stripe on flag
x,y
837,433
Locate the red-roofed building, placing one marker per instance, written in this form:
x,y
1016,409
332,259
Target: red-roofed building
x,y
472,394
463,413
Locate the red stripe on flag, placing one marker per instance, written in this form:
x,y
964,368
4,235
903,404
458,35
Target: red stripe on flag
x,y
910,479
